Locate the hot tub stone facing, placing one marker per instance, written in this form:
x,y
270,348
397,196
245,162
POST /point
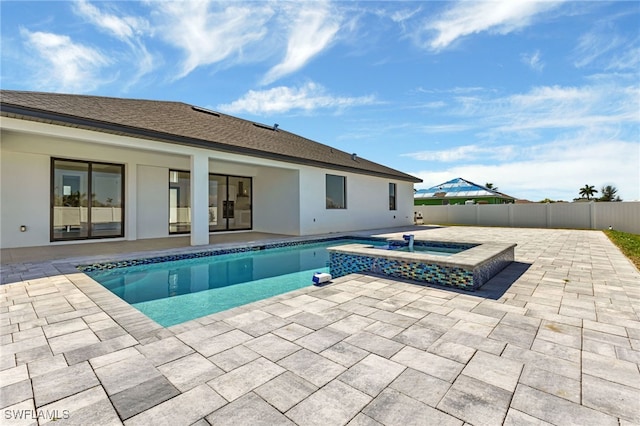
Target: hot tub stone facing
x,y
467,270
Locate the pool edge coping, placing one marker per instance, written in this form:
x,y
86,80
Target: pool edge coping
x,y
467,259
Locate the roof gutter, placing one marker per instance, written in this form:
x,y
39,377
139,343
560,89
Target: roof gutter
x,y
72,121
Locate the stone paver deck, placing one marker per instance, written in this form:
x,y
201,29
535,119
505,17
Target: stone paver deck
x,y
552,339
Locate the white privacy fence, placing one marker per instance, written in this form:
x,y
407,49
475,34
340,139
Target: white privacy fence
x,y
623,216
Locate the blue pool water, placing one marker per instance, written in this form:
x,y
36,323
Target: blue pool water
x,y
177,291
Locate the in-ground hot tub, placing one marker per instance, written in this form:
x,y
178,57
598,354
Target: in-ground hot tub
x,y
463,265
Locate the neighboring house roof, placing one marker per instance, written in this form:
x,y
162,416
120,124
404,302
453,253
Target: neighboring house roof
x,y
181,123
459,188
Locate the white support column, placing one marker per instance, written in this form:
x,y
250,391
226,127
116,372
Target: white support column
x,y
131,202
199,199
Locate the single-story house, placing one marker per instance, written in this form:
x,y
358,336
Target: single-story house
x,y
77,168
460,191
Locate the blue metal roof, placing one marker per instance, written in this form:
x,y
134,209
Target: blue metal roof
x,y
458,188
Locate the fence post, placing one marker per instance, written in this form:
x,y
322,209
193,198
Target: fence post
x,y
592,215
510,214
548,215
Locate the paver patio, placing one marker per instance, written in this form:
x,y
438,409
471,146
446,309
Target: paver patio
x,y
552,339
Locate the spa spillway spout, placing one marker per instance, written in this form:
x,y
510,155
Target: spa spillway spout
x,y
409,238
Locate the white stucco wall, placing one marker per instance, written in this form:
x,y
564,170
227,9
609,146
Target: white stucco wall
x,y
24,200
152,204
276,202
367,203
26,158
287,198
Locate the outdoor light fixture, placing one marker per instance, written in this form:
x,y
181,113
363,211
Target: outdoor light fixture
x,y
23,228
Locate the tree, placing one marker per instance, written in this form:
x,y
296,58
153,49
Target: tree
x,y
587,191
609,193
490,186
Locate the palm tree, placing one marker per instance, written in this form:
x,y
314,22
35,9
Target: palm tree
x,y
609,193
588,191
490,186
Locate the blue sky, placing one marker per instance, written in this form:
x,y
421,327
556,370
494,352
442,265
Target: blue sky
x,y
538,98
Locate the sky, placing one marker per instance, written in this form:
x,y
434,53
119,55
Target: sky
x,y
537,98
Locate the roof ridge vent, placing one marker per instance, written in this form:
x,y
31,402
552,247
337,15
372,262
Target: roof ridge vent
x,y
354,156
205,110
267,127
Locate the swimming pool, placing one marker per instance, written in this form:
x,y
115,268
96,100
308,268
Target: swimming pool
x,y
174,289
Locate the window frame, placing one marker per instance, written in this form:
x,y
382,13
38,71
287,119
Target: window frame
x,y
89,163
169,200
393,196
227,184
344,192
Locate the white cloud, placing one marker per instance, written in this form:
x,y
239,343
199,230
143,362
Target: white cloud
x,y
625,59
593,46
403,15
209,32
597,143
128,29
532,60
608,51
604,104
442,128
471,17
464,153
311,31
308,97
555,170
569,107
70,66
124,28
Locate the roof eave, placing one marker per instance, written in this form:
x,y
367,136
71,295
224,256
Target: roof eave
x,y
108,127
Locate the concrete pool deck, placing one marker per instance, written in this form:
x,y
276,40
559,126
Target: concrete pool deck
x,y
552,339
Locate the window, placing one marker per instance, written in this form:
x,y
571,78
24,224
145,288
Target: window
x,y
86,200
230,201
179,202
336,192
392,196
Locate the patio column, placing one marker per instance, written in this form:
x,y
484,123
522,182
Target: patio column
x,y
199,199
131,202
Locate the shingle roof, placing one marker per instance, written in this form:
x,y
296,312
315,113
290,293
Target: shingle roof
x,y
181,123
459,188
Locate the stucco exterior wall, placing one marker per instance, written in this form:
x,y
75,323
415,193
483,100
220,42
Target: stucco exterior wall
x,y
276,201
152,212
287,198
367,203
23,198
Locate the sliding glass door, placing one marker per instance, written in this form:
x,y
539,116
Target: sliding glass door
x,y
179,202
229,203
86,200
